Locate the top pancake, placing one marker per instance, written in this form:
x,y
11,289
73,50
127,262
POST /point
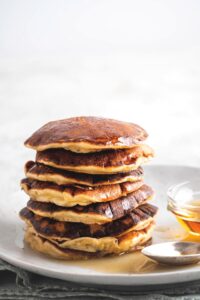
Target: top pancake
x,y
86,134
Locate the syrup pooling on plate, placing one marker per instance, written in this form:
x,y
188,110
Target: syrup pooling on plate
x,y
128,263
131,263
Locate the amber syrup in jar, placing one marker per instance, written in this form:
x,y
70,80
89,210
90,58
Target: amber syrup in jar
x,y
184,203
190,218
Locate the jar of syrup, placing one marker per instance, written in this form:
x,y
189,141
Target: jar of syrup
x,y
184,203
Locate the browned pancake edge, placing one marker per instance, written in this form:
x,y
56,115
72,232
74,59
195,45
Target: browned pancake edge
x,y
94,213
108,161
53,228
43,172
86,134
76,194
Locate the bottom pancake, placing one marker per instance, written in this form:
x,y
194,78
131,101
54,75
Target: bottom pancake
x,y
37,243
131,241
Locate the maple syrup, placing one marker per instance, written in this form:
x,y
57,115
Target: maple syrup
x,y
184,203
188,215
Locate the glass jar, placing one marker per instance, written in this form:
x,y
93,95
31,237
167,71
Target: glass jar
x,y
184,203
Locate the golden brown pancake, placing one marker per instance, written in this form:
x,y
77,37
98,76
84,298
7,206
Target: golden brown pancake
x,y
73,195
104,162
96,213
86,134
42,172
137,219
89,247
42,245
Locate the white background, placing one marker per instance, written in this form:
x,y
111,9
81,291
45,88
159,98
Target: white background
x,y
136,61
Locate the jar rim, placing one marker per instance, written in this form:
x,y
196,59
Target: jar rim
x,y
173,189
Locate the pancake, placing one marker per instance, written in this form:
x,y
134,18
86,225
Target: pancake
x,y
109,245
103,246
96,213
76,195
42,245
42,172
138,219
104,162
86,134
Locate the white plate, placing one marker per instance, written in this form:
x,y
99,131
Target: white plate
x,y
130,269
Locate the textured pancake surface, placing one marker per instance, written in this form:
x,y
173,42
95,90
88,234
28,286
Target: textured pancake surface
x,y
42,245
43,172
103,246
96,213
137,219
73,195
86,134
108,161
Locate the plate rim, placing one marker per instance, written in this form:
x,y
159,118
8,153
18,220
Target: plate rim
x,y
127,279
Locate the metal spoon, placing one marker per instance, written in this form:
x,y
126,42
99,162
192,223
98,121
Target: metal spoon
x,y
174,253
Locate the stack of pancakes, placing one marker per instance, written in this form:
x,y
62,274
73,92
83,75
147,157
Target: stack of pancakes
x,y
87,195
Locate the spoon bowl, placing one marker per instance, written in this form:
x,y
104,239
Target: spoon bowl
x,y
174,253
